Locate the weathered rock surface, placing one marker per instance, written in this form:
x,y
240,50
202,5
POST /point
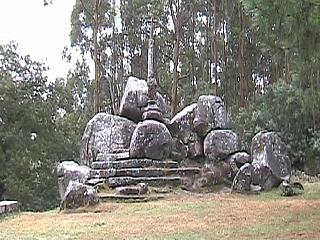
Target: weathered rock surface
x,y
195,149
181,125
139,189
240,158
270,162
78,195
243,179
220,144
105,133
134,163
144,172
71,171
151,139
135,99
209,114
178,150
151,181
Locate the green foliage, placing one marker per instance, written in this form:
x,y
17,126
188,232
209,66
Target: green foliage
x,y
284,109
34,135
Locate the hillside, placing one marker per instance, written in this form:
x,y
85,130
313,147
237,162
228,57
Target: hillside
x,y
179,216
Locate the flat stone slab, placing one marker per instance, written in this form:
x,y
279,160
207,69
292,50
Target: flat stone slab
x,y
8,206
139,189
134,163
151,181
113,156
143,172
129,198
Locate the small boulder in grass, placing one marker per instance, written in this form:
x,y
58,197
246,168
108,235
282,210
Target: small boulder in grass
x,y
8,207
79,195
139,189
291,189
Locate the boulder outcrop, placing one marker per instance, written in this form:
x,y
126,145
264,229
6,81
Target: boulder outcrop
x,y
78,195
220,144
105,133
210,114
71,171
135,99
271,164
243,179
151,139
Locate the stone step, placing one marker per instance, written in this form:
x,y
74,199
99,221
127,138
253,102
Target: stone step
x,y
143,172
151,181
139,189
129,198
113,156
134,163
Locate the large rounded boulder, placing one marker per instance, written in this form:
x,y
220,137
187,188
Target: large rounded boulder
x,y
209,114
151,139
135,99
79,195
181,127
71,171
105,133
243,179
220,144
269,159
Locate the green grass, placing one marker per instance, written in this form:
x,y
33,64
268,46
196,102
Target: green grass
x,y
178,216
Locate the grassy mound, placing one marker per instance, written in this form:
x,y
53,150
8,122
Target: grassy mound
x,y
180,215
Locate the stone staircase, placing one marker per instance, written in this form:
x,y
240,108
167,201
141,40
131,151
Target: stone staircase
x,y
127,174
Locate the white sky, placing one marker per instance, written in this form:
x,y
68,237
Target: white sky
x,y
40,31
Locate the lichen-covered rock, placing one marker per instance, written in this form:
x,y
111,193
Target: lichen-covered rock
x,y
139,189
71,171
178,150
135,99
209,114
269,159
262,176
195,149
220,144
181,125
151,139
240,158
243,179
105,133
78,195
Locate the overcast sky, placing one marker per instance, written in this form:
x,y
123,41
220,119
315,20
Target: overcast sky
x,y
40,31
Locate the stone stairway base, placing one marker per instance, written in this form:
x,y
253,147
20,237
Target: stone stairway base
x,y
129,198
133,163
150,181
142,172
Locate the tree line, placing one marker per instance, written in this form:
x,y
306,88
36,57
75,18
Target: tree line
x,y
260,57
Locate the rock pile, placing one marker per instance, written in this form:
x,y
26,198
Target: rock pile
x,y
129,154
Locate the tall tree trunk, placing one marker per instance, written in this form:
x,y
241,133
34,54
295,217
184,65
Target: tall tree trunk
x,y
174,91
176,17
241,57
287,66
215,50
96,58
277,72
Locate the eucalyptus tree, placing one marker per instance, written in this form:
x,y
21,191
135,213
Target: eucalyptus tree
x,y
91,22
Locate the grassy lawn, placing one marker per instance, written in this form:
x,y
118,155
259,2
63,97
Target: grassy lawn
x,y
179,216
